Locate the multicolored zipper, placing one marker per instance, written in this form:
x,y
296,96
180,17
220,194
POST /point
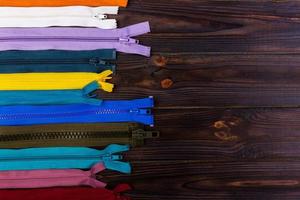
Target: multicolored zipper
x,y
63,158
90,135
137,110
57,61
75,39
58,16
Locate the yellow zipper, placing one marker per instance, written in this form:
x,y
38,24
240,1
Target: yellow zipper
x,y
54,81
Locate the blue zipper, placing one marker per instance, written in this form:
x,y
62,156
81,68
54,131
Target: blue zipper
x,y
64,158
51,97
138,110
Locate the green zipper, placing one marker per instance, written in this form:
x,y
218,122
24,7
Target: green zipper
x,y
74,135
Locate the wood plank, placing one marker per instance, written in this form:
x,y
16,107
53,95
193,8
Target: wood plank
x,y
229,124
224,180
210,80
217,26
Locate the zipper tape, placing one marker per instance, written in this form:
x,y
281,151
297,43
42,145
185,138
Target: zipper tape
x,y
137,110
63,158
51,178
85,135
54,81
57,3
57,61
58,16
67,193
75,39
50,97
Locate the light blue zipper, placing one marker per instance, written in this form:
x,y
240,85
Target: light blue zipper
x,y
137,110
48,97
64,158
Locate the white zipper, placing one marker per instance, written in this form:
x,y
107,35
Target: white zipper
x,y
82,16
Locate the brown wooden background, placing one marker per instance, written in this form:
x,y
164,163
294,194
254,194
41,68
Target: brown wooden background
x,y
226,79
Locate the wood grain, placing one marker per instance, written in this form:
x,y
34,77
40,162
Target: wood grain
x,y
225,77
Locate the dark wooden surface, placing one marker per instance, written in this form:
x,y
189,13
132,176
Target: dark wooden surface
x,y
226,79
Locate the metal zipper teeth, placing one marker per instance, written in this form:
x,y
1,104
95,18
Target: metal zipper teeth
x,y
63,136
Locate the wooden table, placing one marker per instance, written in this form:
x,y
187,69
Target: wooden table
x,y
226,79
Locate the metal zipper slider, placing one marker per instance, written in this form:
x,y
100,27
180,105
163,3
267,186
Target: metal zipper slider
x,y
139,136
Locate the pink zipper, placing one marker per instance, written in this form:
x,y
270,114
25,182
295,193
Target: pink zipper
x,y
51,178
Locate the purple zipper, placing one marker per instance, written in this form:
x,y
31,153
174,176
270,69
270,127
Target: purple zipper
x,y
75,39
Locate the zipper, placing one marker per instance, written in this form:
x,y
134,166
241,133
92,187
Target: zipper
x,y
75,39
58,3
54,81
51,178
92,61
85,95
68,193
137,110
63,158
71,114
74,135
58,16
57,61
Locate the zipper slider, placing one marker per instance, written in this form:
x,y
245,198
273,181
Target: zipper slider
x,y
128,40
141,111
138,136
100,16
110,157
97,61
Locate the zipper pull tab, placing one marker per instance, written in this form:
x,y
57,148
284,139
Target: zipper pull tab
x,y
102,78
139,136
128,40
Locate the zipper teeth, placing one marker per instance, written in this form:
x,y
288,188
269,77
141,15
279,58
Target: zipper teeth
x,y
42,178
78,39
62,136
70,114
57,61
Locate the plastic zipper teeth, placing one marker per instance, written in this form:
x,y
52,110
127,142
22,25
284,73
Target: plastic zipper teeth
x,y
133,137
92,61
57,61
58,16
64,158
136,110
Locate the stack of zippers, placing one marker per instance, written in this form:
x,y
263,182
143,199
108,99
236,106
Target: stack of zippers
x,y
50,115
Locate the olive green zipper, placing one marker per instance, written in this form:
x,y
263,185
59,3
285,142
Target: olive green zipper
x,y
74,135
